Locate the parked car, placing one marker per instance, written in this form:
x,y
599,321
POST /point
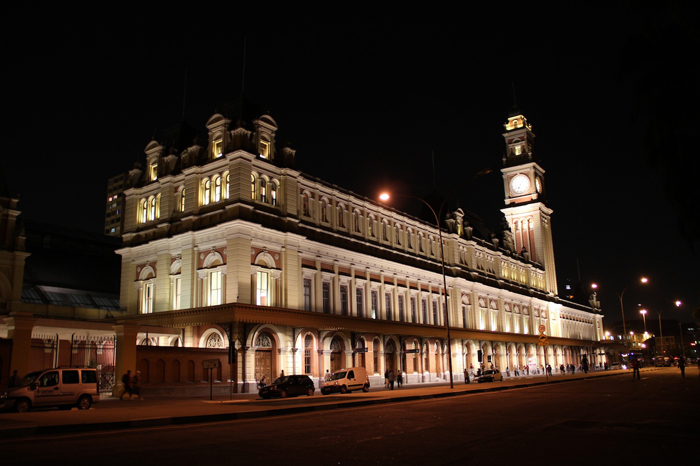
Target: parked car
x,y
289,385
617,366
490,376
63,387
346,380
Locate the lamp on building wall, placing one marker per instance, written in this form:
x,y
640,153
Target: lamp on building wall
x,y
643,280
384,197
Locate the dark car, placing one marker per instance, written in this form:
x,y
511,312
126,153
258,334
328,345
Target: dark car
x,y
490,376
289,385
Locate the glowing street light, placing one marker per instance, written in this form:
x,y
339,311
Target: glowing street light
x,y
643,312
622,307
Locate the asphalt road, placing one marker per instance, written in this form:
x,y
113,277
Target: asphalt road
x,y
609,420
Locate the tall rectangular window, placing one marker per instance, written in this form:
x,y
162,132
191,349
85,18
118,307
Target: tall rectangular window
x,y
360,302
375,304
307,294
176,290
413,311
215,288
344,300
263,289
401,311
307,355
388,306
435,313
147,298
425,311
464,316
326,297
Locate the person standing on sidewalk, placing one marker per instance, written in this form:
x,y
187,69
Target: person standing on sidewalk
x,y
399,379
391,380
635,369
466,376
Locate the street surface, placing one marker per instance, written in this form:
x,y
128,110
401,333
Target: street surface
x,y
607,420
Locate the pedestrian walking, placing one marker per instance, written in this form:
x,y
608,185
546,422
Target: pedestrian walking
x,y
386,378
136,386
392,378
126,385
399,379
681,366
466,376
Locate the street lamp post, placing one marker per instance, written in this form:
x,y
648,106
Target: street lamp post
x,y
385,197
622,306
643,312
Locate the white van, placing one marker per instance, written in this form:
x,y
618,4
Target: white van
x,y
61,387
346,380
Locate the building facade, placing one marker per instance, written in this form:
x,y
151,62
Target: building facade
x,y
226,246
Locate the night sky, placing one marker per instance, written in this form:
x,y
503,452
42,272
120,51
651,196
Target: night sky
x,y
369,97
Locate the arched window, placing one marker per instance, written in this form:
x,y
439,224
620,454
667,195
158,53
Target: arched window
x,y
263,190
308,347
375,354
181,204
217,189
143,211
227,181
252,187
324,211
151,208
341,216
397,234
273,193
206,191
305,211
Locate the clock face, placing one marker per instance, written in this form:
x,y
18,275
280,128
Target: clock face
x,y
538,184
520,184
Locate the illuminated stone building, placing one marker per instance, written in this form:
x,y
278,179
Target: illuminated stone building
x,y
227,247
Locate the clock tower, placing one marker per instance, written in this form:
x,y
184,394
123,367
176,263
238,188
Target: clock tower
x,y
523,181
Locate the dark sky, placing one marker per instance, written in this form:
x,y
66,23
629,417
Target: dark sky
x,y
365,96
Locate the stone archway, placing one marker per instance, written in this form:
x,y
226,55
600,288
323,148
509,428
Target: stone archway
x,y
264,362
337,354
512,357
390,357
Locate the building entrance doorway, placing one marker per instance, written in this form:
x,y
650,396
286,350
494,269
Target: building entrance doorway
x,y
263,358
389,357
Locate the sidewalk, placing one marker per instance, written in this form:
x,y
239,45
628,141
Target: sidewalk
x,y
111,413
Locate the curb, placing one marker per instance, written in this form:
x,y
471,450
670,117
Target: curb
x,y
198,419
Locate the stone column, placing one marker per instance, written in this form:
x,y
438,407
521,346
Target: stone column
x,y
19,328
126,350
